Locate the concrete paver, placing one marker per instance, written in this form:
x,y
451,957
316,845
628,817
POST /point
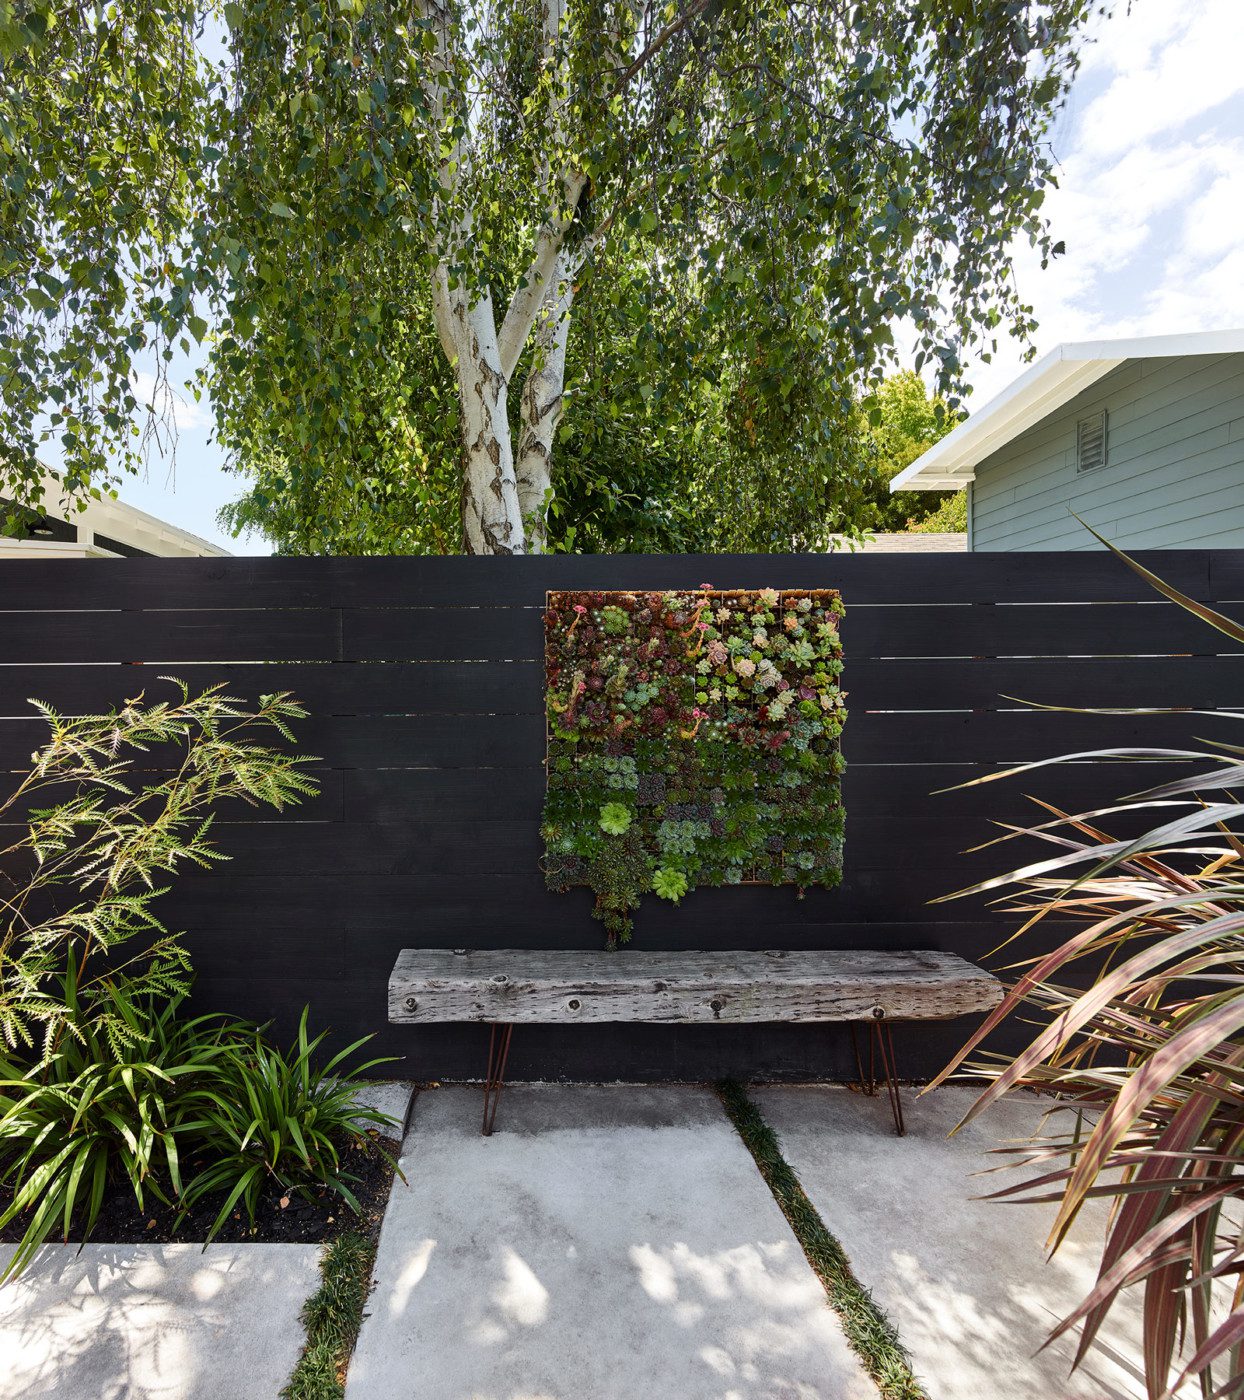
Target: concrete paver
x,y
391,1096
606,1243
965,1281
154,1321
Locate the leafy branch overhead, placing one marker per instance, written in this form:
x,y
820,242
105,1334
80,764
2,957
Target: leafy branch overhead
x,y
757,193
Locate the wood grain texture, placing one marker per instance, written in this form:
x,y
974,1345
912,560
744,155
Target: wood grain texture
x,y
569,987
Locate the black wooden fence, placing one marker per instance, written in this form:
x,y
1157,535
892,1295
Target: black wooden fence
x,y
425,684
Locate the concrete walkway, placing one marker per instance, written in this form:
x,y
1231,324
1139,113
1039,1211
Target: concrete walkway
x,y
965,1281
607,1243
155,1322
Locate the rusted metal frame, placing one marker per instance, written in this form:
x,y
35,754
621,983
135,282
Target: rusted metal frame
x,y
499,1035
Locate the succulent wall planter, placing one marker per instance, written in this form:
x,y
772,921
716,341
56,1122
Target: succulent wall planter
x,y
693,739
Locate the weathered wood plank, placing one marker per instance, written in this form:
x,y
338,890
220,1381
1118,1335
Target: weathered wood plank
x,y
558,986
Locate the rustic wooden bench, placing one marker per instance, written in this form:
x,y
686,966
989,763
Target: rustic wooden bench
x,y
506,987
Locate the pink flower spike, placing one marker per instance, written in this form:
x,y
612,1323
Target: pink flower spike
x,y
703,626
579,608
708,586
697,714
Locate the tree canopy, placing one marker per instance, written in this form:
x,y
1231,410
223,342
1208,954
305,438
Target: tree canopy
x,y
902,421
511,274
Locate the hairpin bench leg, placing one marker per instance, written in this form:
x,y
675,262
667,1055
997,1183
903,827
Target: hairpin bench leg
x,y
498,1053
880,1047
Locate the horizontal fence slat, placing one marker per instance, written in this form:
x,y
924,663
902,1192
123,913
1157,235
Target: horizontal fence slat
x,y
1210,682
500,687
1089,576
508,903
165,637
999,738
930,629
443,687
921,630
443,634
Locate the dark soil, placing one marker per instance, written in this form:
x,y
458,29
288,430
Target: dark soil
x,y
323,1215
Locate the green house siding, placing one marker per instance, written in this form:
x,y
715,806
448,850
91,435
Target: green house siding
x,y
1174,473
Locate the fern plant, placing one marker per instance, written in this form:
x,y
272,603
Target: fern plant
x,y
112,805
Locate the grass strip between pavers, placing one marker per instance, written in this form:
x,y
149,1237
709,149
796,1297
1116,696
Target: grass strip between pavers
x,y
872,1335
333,1315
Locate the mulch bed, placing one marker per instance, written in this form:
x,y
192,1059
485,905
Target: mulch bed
x,y
303,1221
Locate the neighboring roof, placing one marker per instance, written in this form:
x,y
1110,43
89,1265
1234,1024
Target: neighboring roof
x,y
110,528
1038,392
915,543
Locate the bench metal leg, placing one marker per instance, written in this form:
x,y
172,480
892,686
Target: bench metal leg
x,y
498,1053
880,1047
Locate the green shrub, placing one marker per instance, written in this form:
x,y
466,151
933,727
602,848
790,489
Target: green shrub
x,y
100,1081
101,1108
276,1119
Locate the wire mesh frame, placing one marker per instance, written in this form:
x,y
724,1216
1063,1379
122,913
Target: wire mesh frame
x,y
706,593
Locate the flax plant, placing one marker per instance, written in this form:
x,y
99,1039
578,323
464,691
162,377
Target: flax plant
x,y
1146,1065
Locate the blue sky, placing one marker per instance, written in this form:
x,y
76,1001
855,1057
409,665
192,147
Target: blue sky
x,y
1150,206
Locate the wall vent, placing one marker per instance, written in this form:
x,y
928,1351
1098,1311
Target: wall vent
x,y
1091,442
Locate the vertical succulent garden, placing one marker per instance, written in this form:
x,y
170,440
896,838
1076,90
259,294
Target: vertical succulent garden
x,y
693,739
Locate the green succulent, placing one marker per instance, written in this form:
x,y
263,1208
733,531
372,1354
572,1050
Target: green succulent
x,y
615,620
669,884
615,818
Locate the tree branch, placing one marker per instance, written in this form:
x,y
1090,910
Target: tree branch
x,y
539,277
675,26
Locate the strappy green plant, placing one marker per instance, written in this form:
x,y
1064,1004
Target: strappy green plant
x,y
100,1109
280,1120
1146,1062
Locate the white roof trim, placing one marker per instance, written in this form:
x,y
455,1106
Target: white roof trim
x,y
1038,392
118,521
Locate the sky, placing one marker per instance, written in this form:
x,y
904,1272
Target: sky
x,y
1150,206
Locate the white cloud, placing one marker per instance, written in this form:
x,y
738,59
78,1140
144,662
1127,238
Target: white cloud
x,y
1168,64
1150,201
186,413
1215,222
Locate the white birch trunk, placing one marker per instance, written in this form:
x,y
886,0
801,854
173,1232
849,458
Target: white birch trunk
x,y
492,521
541,410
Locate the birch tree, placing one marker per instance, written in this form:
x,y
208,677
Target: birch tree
x,y
810,175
